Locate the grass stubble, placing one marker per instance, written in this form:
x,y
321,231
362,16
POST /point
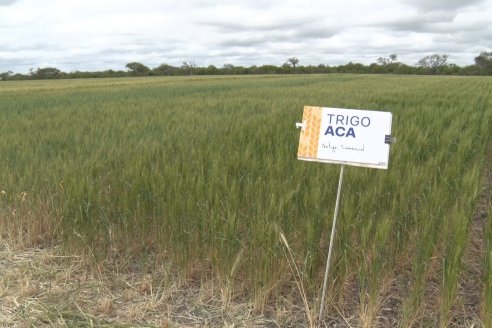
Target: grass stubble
x,y
182,185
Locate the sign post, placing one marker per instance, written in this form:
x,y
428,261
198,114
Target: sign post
x,y
346,137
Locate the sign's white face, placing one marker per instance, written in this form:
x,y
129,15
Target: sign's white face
x,y
345,136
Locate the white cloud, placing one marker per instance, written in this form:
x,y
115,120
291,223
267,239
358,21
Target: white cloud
x,y
425,5
6,2
96,35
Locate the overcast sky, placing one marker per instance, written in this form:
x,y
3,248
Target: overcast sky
x,y
106,34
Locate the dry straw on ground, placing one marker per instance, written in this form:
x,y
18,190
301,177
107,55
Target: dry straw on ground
x,y
39,288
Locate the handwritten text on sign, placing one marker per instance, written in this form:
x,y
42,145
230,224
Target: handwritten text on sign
x,y
345,136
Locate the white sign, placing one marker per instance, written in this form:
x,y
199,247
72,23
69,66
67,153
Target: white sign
x,y
345,136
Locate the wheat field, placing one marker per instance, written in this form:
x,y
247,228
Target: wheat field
x,y
201,173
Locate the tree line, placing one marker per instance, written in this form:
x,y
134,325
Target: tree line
x,y
429,65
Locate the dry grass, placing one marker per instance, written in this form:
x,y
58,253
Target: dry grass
x,y
40,288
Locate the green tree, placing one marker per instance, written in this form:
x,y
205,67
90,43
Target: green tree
x,y
5,75
269,69
228,69
386,65
47,73
137,69
293,61
188,67
382,61
165,69
211,70
433,63
484,62
392,59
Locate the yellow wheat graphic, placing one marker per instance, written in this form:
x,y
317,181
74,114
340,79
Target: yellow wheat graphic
x,y
308,142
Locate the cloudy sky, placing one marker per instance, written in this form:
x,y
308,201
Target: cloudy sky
x,y
106,34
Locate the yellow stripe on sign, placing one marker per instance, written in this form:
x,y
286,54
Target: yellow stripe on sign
x,y
308,142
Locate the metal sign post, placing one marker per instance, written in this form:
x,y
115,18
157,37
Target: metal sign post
x,y
330,248
346,137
